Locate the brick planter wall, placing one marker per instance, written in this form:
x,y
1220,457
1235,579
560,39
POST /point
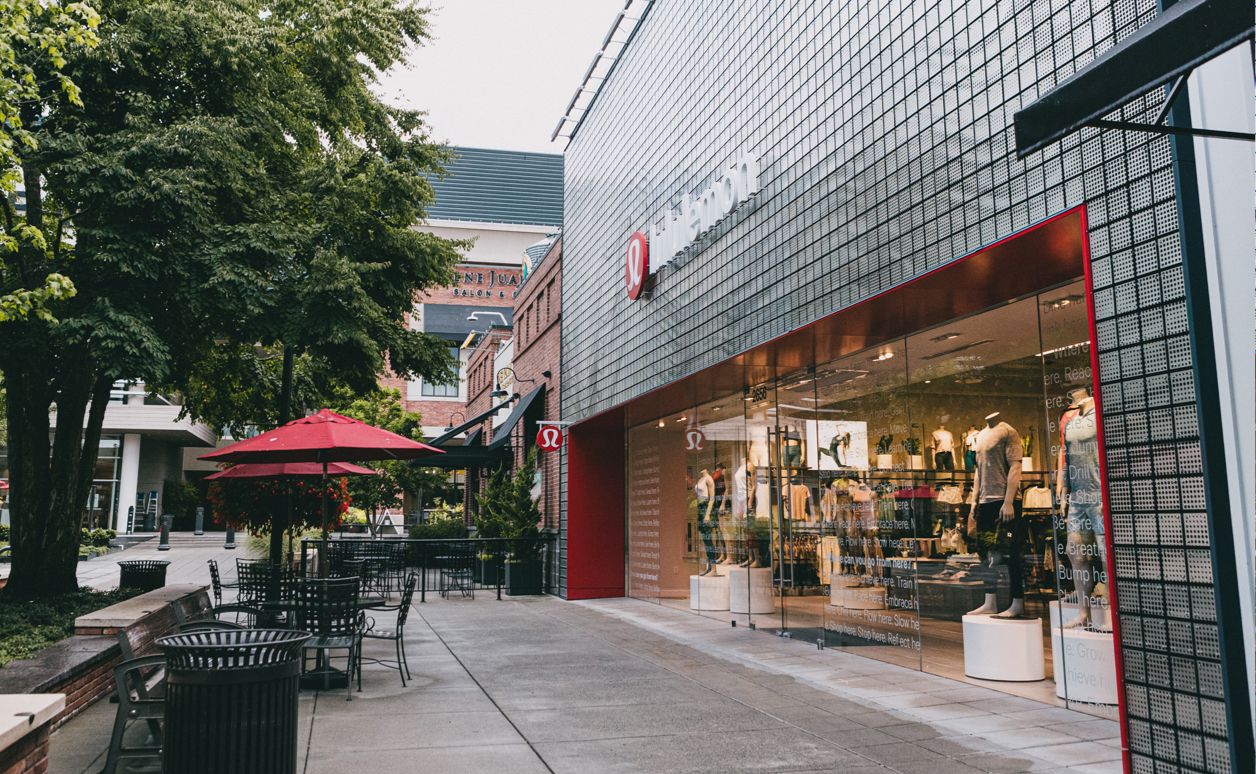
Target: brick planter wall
x,y
27,756
81,666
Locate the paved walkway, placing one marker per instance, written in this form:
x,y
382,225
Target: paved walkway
x,y
187,556
538,684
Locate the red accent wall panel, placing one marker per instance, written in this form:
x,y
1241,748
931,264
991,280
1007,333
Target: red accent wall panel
x,y
595,507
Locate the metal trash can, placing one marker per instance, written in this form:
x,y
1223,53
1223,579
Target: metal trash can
x,y
143,574
231,701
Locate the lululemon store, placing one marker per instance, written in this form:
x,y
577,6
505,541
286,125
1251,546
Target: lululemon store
x,y
841,367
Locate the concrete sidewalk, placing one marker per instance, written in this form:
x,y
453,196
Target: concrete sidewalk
x,y
536,685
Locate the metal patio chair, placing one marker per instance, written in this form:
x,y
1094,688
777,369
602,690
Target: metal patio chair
x,y
396,634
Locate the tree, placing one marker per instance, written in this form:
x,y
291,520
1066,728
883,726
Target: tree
x,y
230,164
508,509
35,36
383,408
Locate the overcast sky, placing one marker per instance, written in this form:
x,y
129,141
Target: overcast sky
x,y
499,73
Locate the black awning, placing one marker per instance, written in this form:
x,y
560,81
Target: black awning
x,y
449,434
1184,36
501,436
459,456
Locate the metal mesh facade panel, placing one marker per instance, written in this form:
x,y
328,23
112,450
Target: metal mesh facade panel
x,y
885,134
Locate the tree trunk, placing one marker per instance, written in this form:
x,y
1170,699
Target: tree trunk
x,y
47,484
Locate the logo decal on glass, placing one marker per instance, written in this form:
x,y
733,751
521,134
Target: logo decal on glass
x,y
694,438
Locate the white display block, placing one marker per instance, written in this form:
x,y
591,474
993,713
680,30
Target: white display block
x,y
1003,649
844,593
885,461
722,568
1027,464
750,590
1084,660
708,592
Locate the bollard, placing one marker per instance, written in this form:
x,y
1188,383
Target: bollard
x,y
230,538
200,520
163,542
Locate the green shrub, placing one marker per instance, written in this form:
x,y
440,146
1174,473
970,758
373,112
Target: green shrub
x,y
27,627
97,537
4,533
444,522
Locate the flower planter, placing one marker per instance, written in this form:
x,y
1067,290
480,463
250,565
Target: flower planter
x,y
523,578
885,461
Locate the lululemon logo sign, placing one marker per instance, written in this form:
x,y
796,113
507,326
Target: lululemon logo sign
x,y
637,265
549,438
694,439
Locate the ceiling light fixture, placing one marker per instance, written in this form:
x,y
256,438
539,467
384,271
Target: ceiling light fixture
x,y
886,355
945,337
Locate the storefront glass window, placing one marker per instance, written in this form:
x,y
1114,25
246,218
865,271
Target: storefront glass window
x,y
931,500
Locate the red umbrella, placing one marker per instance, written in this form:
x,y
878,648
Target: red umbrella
x,y
290,470
324,437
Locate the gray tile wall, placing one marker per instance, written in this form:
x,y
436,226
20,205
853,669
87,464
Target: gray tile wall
x,y
885,130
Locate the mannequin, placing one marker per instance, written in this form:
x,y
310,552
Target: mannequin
x,y
738,520
863,534
943,448
1080,493
759,459
970,454
703,491
718,508
997,508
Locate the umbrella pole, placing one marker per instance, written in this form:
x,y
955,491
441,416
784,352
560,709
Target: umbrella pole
x,y
324,501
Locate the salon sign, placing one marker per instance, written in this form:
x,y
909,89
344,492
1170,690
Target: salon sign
x,y
689,220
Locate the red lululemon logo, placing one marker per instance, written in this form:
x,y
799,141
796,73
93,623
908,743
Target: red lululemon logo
x,y
694,440
637,265
549,438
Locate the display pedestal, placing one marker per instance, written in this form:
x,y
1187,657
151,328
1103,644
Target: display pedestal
x,y
1003,649
722,568
708,592
750,590
1084,660
844,593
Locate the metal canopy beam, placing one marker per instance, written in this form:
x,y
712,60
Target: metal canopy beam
x,y
1185,35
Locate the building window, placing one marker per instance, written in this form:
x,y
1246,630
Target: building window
x,y
447,389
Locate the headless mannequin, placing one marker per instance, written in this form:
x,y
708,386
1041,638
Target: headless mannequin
x,y
737,524
1077,490
863,533
996,446
704,489
718,507
943,446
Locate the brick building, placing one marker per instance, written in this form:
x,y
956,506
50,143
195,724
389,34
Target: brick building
x,y
504,201
538,322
